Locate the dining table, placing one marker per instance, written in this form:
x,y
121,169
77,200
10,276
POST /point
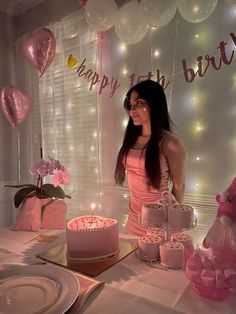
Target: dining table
x,y
129,286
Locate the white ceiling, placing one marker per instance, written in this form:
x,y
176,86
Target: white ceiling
x,y
16,7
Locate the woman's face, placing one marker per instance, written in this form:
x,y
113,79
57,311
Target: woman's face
x,y
139,109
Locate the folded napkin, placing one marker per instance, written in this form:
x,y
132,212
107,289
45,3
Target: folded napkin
x,y
87,287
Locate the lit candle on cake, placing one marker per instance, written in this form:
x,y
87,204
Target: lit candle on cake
x,y
93,205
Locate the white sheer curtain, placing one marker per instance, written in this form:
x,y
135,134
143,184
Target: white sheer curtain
x,y
69,113
68,116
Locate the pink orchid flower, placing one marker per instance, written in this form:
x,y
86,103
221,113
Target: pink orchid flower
x,y
40,168
55,165
60,177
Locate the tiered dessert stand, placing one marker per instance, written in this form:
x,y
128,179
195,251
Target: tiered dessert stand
x,y
168,227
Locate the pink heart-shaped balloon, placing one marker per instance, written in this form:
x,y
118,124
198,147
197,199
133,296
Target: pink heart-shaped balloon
x,y
15,104
39,48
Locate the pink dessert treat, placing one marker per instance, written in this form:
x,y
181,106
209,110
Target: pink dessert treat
x,y
208,278
153,214
181,216
186,240
149,247
92,237
158,232
172,254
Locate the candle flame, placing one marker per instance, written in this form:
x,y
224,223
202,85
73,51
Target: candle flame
x,y
93,205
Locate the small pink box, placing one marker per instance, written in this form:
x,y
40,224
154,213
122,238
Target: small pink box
x,y
54,214
29,216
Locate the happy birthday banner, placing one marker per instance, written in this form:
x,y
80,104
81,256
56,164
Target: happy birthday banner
x,y
204,63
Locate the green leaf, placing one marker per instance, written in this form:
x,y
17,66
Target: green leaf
x,y
20,186
23,194
53,191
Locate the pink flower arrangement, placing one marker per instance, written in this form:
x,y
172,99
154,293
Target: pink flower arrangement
x,y
41,169
60,177
44,167
54,168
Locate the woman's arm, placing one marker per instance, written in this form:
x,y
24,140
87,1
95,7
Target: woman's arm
x,y
176,154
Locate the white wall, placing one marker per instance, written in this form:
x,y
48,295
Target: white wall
x,y
8,137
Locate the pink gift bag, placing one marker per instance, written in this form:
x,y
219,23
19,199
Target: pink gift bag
x,y
53,214
29,216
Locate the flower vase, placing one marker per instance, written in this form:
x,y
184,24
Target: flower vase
x,y
29,216
53,213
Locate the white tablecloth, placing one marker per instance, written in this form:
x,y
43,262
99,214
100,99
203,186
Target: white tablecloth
x,y
131,286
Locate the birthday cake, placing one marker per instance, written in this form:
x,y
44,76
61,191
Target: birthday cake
x,y
153,214
149,247
172,254
92,237
181,216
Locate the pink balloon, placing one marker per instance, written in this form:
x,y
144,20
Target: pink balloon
x,y
15,104
39,48
82,3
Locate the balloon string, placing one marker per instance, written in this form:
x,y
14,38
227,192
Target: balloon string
x,y
18,155
174,60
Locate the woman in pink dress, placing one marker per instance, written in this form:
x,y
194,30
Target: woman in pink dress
x,y
151,156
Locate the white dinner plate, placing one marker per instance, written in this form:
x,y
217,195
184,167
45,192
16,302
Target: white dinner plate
x,y
37,289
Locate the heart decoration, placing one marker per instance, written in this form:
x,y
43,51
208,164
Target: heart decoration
x,y
39,48
72,61
15,105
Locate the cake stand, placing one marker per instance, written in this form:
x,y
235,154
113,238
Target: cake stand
x,y
169,228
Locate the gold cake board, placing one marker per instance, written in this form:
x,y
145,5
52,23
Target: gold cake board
x,y
58,255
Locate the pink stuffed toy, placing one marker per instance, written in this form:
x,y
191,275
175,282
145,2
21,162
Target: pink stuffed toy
x,y
221,238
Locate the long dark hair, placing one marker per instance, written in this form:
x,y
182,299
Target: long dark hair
x,y
154,94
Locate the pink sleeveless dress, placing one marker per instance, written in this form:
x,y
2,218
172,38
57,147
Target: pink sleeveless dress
x,y
140,193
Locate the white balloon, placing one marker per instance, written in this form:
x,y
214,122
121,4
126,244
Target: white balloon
x,y
196,11
100,14
131,25
159,13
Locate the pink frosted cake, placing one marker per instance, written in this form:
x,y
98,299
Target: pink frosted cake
x,y
186,240
153,214
181,216
92,237
158,232
172,254
149,247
